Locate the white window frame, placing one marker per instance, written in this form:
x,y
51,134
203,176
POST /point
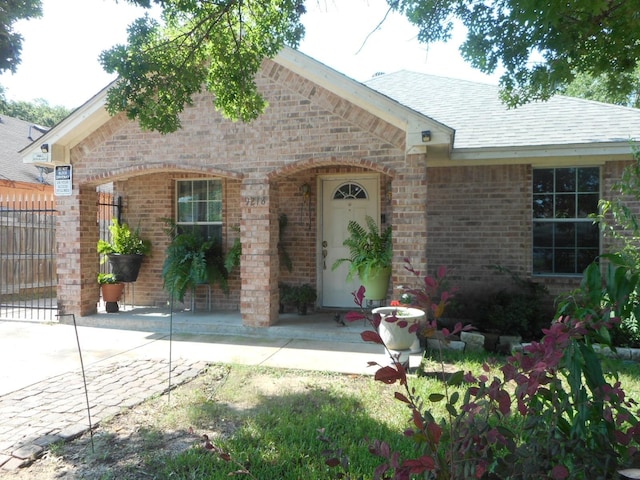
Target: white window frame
x,y
203,208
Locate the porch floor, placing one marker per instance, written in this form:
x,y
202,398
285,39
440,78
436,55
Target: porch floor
x,y
324,325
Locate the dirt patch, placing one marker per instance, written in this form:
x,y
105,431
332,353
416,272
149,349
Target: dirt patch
x,y
169,424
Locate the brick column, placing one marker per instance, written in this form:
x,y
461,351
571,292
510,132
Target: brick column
x,y
77,258
409,206
259,263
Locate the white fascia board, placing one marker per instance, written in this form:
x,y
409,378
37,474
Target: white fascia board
x,y
541,151
389,110
69,132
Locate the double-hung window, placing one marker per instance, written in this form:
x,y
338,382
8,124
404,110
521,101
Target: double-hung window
x,y
565,239
199,207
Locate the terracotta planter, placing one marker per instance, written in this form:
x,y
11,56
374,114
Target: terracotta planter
x,y
394,336
111,293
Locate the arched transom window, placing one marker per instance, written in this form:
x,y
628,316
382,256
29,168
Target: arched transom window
x,y
349,191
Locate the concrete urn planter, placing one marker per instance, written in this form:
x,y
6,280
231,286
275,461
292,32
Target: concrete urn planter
x,y
395,333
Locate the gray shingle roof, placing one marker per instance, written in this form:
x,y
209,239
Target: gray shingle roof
x,y
14,136
481,120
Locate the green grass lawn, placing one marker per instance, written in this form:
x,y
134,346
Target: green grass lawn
x,y
273,419
269,422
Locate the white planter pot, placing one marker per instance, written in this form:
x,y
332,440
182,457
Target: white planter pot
x,y
394,336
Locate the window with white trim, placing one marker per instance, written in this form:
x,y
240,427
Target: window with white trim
x,y
565,239
199,207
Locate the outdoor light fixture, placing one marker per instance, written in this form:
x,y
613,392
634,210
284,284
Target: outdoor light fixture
x,y
44,148
305,188
426,136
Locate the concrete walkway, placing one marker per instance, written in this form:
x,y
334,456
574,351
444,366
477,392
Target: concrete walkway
x,y
42,395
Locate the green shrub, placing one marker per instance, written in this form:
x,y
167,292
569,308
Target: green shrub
x,y
557,413
301,296
520,310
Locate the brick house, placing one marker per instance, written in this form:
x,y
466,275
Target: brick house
x,y
463,181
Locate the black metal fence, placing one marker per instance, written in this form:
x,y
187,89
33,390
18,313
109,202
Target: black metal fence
x,y
109,207
28,276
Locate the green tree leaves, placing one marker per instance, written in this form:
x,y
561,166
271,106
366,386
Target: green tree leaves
x,y
602,88
541,45
39,111
11,42
218,45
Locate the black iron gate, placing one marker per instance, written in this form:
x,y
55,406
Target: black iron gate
x,y
28,277
109,207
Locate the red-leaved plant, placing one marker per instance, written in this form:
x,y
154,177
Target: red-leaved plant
x,y
552,415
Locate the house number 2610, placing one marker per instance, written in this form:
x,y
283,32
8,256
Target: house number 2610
x,y
255,201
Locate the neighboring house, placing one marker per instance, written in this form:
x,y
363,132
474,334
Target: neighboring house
x,y
27,266
18,179
464,182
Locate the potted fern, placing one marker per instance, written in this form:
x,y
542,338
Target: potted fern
x,y
192,260
124,251
370,257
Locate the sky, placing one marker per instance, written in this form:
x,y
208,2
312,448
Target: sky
x,y
60,50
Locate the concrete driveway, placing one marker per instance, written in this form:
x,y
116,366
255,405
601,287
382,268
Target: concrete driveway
x,y
33,352
42,394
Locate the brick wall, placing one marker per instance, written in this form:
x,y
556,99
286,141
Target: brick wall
x,y
305,132
479,216
410,221
611,174
77,258
465,218
494,204
147,201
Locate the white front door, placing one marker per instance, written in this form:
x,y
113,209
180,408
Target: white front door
x,y
343,199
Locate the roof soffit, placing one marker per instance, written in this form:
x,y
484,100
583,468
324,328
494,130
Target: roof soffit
x,y
596,151
70,131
